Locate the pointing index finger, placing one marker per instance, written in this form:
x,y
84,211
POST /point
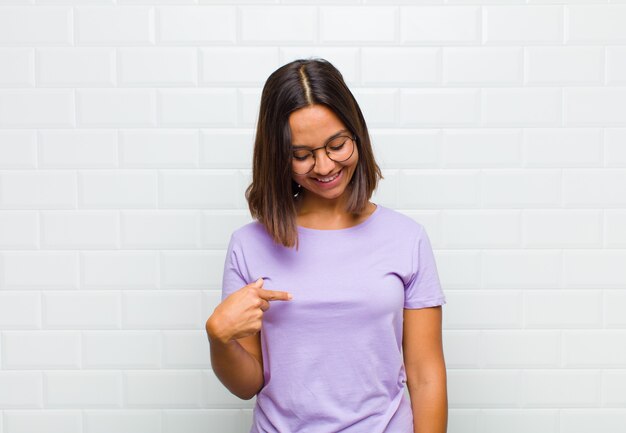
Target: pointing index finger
x,y
274,295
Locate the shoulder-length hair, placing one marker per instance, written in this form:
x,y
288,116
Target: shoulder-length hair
x,y
272,194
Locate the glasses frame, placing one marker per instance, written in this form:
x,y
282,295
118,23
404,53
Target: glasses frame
x,y
312,151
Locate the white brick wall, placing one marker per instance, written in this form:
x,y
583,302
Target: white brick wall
x,y
126,135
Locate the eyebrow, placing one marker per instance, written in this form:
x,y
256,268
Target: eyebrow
x,y
299,146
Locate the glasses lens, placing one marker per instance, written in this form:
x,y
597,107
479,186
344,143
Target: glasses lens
x,y
339,149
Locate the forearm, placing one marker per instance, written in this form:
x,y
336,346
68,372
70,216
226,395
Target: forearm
x,y
240,372
429,402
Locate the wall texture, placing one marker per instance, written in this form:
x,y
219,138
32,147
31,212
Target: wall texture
x,y
126,133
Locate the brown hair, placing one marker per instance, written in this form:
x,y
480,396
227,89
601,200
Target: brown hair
x,y
299,84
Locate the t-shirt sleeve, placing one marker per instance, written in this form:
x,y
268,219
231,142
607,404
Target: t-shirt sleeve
x,y
233,277
423,288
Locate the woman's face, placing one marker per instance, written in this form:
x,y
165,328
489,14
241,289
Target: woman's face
x,y
312,126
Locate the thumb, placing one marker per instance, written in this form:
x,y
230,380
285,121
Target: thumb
x,y
258,282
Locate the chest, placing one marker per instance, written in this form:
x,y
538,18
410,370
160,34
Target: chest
x,y
343,286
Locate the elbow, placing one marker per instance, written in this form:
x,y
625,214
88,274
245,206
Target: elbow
x,y
247,394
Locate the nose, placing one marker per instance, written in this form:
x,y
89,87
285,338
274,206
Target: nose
x,y
323,164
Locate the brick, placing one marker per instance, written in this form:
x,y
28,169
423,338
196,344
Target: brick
x,y
88,310
38,189
439,189
562,308
22,70
122,421
120,270
204,189
43,421
166,389
116,107
482,148
400,66
375,24
76,389
134,25
615,151
479,388
519,349
55,270
78,149
562,228
521,187
22,108
616,65
231,65
483,309
596,23
615,228
118,188
40,350
518,420
520,269
178,309
391,147
522,24
484,66
198,107
225,148
76,66
121,349
439,107
185,349
560,388
196,24
594,349
157,229
521,106
379,106
142,67
489,229
460,349
41,25
20,389
564,147
20,310
189,269
614,307
79,229
594,187
18,230
594,269
594,106
18,149
440,25
279,24
164,148
564,65
596,420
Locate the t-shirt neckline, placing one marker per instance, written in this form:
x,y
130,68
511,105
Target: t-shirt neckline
x,y
359,226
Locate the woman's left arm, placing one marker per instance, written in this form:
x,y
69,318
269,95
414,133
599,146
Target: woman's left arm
x,y
425,369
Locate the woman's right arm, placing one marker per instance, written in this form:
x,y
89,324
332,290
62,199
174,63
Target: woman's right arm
x,y
240,317
234,366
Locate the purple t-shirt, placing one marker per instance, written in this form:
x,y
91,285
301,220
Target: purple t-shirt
x,y
332,356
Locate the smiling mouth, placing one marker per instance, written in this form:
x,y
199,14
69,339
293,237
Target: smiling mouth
x,y
329,179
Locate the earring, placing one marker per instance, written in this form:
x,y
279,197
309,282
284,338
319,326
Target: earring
x,y
299,188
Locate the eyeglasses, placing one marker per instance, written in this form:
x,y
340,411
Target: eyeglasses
x,y
338,149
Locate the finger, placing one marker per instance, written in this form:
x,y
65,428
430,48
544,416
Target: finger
x,y
275,295
264,305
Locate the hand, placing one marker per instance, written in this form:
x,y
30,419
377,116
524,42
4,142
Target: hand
x,y
241,313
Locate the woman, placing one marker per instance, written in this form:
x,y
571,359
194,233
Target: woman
x,y
359,311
